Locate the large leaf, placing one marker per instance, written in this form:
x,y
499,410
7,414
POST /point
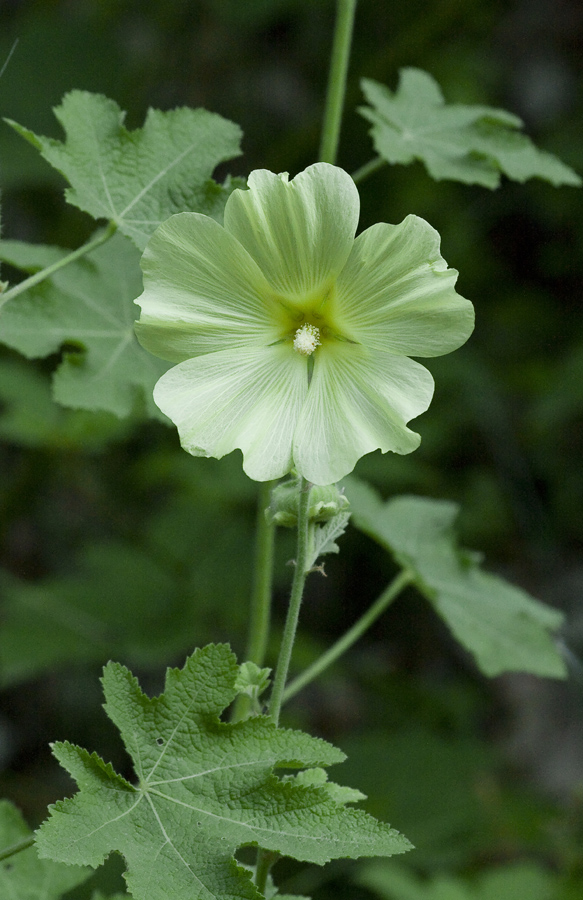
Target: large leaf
x,y
24,876
129,600
504,628
472,144
87,310
138,178
511,882
29,416
204,789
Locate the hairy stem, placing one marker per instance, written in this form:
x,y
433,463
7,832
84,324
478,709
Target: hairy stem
x,y
350,637
29,282
337,80
293,613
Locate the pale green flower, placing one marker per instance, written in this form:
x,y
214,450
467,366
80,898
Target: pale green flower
x,y
291,336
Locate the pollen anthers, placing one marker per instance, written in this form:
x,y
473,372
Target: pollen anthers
x,y
306,339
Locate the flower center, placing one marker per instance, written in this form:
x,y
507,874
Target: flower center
x,y
307,339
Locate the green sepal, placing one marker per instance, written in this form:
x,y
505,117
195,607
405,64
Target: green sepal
x,y
326,501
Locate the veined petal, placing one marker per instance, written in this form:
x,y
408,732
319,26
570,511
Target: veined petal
x,y
299,232
248,398
397,293
358,402
202,292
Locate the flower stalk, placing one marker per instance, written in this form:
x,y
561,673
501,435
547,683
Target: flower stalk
x,y
260,608
337,80
260,613
293,613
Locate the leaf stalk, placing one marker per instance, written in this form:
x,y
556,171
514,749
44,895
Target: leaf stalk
x,y
81,251
24,844
369,168
350,637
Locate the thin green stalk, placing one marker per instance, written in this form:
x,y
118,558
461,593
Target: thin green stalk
x,y
350,637
8,58
265,860
295,602
24,844
23,286
260,613
368,168
337,80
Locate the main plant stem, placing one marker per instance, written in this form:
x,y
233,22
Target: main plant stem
x,y
350,637
260,613
295,602
345,12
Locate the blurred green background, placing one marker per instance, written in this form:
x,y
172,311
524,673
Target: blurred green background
x,y
115,544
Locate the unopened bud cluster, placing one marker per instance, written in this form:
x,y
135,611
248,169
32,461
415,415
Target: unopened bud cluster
x,y
326,501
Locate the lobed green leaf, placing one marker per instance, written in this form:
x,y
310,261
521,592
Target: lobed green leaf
x,y
86,311
204,789
138,178
501,625
471,144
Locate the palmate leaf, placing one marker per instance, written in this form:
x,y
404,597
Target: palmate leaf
x,y
471,144
204,789
501,625
24,876
138,178
87,310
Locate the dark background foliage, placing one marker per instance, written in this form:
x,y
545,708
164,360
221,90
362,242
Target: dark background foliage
x,y
113,543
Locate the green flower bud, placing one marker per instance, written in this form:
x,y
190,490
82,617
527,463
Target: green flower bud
x,y
326,501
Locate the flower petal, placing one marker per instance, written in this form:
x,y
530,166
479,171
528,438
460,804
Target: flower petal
x,y
202,292
358,402
299,232
248,398
396,292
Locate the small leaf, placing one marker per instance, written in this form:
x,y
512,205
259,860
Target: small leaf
x,y
251,680
204,789
24,876
319,777
87,310
138,178
324,538
471,144
504,628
